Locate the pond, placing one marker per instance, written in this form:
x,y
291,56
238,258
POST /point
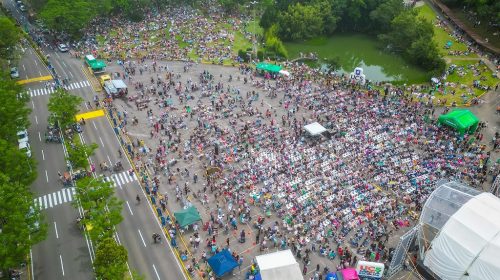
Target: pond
x,y
355,50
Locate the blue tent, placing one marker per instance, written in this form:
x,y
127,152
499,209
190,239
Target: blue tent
x,y
222,263
258,277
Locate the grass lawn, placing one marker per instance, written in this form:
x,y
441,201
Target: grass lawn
x,y
254,27
440,35
463,83
240,43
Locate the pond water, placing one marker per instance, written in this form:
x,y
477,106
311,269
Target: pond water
x,y
355,50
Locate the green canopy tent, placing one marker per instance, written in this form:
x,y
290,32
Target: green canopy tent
x,y
271,68
187,216
464,121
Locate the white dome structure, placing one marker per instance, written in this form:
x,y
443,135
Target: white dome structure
x,y
459,236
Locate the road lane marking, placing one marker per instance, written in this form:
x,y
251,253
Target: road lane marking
x,y
70,196
36,119
158,276
32,275
40,72
86,105
36,79
33,103
94,125
49,197
71,74
62,265
54,195
101,141
90,115
140,234
47,175
129,209
24,68
64,64
55,227
36,63
40,136
110,163
43,155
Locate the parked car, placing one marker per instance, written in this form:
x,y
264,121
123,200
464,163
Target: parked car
x,y
14,74
22,136
25,147
62,47
22,8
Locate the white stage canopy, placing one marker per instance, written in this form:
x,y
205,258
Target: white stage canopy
x,y
278,266
314,129
468,245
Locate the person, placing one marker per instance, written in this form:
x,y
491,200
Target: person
x,y
83,121
138,199
120,153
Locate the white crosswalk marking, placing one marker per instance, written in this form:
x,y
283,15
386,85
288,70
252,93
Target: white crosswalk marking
x,y
59,197
45,91
70,196
64,196
116,179
44,202
54,196
49,198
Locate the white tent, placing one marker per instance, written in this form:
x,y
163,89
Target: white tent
x,y
278,266
314,128
468,245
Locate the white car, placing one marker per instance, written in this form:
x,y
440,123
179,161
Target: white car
x,y
14,74
62,47
25,147
22,136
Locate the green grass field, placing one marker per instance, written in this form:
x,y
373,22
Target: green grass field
x,y
462,80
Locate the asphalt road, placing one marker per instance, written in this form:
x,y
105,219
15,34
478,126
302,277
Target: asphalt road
x,y
66,254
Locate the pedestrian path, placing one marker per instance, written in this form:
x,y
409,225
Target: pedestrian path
x,y
120,179
56,198
45,91
67,194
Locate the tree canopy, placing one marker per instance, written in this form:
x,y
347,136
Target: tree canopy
x,y
13,109
20,223
110,260
9,35
64,106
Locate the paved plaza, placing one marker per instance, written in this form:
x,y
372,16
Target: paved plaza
x,y
358,189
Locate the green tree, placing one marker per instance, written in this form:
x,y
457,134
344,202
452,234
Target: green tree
x,y
16,164
68,16
383,15
300,22
405,29
78,154
9,35
21,224
13,112
425,53
110,260
64,107
103,208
